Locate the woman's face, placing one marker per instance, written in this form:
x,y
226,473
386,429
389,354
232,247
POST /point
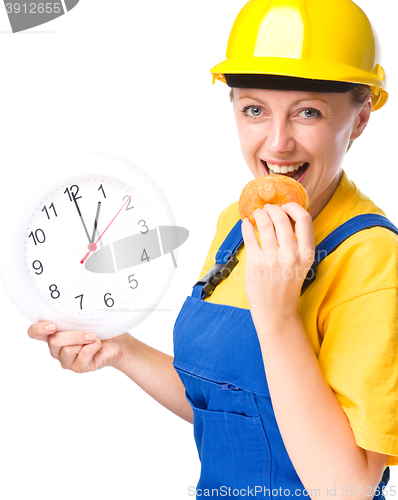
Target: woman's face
x,y
304,135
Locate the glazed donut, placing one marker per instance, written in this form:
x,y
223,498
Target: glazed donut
x,y
275,189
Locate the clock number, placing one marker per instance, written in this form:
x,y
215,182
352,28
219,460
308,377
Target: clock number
x,y
128,204
144,256
54,291
45,210
103,192
37,267
109,302
131,280
81,300
144,225
38,236
74,195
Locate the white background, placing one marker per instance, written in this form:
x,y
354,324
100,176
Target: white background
x,y
131,78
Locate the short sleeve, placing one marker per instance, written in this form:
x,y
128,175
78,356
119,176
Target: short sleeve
x,y
359,352
362,368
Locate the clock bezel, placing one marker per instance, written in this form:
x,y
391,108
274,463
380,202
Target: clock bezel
x,y
18,282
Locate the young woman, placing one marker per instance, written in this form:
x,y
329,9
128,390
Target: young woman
x,y
291,386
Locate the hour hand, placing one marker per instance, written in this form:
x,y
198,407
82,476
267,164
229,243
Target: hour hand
x,y
96,222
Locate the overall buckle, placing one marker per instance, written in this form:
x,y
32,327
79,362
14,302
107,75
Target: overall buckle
x,y
217,273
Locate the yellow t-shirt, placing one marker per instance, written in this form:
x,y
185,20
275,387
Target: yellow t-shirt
x,y
350,313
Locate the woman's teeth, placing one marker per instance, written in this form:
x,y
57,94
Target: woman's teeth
x,y
284,169
292,171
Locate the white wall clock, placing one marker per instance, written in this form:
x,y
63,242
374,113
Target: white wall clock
x,y
94,248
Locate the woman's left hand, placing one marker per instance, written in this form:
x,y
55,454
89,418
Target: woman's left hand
x,y
275,271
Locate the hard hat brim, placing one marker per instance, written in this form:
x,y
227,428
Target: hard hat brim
x,y
304,69
278,82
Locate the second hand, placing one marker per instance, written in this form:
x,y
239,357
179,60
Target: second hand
x,y
93,246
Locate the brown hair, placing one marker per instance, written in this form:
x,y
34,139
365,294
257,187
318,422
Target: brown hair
x,y
360,93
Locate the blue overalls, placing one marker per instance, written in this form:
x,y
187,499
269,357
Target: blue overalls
x,y
218,358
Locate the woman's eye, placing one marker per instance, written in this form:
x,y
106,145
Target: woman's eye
x,y
252,111
310,113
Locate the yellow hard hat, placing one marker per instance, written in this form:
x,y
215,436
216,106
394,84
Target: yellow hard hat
x,y
327,45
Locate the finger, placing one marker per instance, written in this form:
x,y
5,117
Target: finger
x,y
304,227
41,330
283,227
68,354
266,230
249,236
73,338
84,361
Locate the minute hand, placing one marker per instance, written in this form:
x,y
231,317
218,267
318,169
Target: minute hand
x,y
81,218
93,246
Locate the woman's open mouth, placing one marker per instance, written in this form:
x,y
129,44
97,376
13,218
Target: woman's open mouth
x,y
293,171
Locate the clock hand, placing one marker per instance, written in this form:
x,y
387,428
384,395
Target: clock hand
x,y
95,222
81,218
100,242
93,246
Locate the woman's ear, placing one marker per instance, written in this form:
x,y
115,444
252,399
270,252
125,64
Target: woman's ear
x,y
362,119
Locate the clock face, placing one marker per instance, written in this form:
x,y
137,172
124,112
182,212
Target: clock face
x,y
94,249
72,241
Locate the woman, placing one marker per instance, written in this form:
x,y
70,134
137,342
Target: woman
x,y
292,390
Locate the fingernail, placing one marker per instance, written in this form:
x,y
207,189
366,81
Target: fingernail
x,y
245,222
89,336
50,328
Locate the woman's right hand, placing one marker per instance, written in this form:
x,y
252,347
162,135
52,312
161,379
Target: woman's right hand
x,y
76,352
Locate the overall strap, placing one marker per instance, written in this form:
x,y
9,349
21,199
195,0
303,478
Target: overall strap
x,y
340,234
226,256
225,262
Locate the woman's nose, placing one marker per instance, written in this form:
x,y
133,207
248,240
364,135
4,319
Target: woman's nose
x,y
280,138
